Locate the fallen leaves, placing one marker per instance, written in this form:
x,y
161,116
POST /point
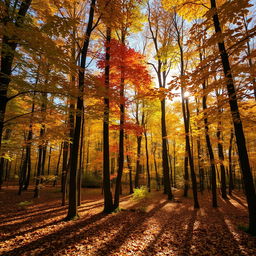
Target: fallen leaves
x,y
164,228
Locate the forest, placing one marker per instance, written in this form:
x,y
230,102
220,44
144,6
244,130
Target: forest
x,y
127,127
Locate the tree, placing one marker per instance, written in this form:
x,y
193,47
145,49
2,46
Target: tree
x,y
160,27
72,209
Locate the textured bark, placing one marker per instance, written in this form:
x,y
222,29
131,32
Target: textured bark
x,y
231,180
147,163
210,151
1,171
80,169
190,157
138,164
222,167
58,165
166,174
72,207
238,127
121,134
9,45
64,172
108,200
41,158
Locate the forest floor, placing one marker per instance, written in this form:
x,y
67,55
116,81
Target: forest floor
x,y
152,226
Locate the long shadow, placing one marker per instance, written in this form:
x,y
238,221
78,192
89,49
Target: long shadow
x,y
37,211
29,230
152,247
239,201
30,219
64,237
127,230
217,236
30,214
189,234
39,227
53,238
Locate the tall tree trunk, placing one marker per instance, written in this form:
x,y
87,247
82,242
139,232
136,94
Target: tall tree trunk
x,y
64,172
108,200
166,174
1,170
221,159
186,174
72,207
231,180
147,161
121,133
129,165
49,160
174,164
9,45
23,171
210,150
58,166
138,164
40,164
80,170
238,126
190,157
27,181
199,155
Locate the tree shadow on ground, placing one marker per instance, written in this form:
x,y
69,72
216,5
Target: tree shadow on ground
x,y
127,230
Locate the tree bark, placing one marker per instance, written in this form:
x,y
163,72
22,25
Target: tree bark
x,y
166,174
72,208
108,200
121,134
210,151
231,180
147,162
9,45
238,126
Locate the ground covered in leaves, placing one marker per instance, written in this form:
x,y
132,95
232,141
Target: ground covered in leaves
x,y
152,226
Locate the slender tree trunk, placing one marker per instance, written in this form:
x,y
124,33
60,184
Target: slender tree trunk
x,y
40,164
64,172
1,170
165,165
44,157
58,166
72,208
80,170
199,156
174,164
23,171
129,165
9,45
108,200
121,134
238,126
49,160
138,164
231,181
190,157
210,151
147,162
221,159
